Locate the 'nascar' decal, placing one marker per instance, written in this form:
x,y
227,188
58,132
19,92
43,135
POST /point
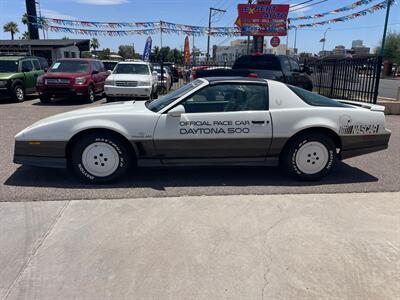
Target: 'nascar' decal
x,y
359,129
215,127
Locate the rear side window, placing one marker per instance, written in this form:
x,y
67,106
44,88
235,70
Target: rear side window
x,y
260,62
315,99
285,64
36,64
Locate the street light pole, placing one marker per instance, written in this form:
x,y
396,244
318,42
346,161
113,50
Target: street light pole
x,y
388,3
324,39
209,29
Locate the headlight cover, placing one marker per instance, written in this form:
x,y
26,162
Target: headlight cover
x,y
143,83
109,82
80,80
3,83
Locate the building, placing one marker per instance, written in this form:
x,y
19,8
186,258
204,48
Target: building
x,y
325,53
281,50
49,49
228,54
339,50
357,43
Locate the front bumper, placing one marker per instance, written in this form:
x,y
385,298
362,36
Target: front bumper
x,y
62,91
49,154
363,144
118,91
5,92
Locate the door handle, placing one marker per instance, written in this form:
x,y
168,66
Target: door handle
x,y
258,122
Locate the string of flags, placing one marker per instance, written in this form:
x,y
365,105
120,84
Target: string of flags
x,y
119,29
361,13
335,11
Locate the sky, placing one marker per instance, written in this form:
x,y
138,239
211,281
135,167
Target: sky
x,y
367,28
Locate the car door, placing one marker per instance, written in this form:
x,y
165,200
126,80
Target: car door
x,y
221,121
286,69
29,74
104,75
96,75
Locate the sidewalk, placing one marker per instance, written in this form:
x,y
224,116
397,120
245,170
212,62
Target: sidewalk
x,y
328,246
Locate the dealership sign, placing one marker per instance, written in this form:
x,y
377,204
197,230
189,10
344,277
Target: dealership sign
x,y
263,19
275,41
147,49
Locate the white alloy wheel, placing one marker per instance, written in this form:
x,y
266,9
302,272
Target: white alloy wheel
x,y
19,92
91,95
312,157
100,159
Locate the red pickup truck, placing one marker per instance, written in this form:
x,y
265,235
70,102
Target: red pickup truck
x,y
82,78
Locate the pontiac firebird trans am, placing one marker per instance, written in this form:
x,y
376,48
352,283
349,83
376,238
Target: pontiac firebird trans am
x,y
235,121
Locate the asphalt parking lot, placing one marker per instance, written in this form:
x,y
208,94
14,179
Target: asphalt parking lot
x,y
378,172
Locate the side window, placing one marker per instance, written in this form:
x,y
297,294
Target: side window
x,y
26,66
36,64
295,65
228,98
95,66
100,66
285,64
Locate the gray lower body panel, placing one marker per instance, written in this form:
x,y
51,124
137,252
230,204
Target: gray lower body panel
x,y
363,144
41,161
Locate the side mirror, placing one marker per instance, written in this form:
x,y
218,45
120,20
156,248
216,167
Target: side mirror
x,y
108,72
155,73
177,111
94,72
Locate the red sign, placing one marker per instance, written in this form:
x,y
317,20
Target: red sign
x,y
264,1
275,41
262,19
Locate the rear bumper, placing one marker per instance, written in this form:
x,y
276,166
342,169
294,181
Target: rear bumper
x,y
118,91
359,145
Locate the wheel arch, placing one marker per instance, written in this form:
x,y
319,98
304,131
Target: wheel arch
x,y
88,131
320,130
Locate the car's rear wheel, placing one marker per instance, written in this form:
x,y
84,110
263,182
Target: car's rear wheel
x,y
100,158
309,156
18,93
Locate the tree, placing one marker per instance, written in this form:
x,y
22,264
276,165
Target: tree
x,y
12,28
391,53
127,52
25,19
95,44
104,54
25,36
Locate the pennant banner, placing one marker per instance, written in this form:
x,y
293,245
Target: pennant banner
x,y
335,11
361,13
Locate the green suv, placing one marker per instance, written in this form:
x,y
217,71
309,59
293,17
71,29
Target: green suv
x,y
18,76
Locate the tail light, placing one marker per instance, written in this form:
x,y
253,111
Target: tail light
x,y
252,75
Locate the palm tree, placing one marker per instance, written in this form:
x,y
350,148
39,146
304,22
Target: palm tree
x,y
25,19
95,44
11,27
25,36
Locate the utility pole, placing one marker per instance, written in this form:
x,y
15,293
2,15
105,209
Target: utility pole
x,y
324,39
295,40
209,28
248,37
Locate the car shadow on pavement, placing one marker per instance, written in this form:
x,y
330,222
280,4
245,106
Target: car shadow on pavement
x,y
69,102
11,101
161,178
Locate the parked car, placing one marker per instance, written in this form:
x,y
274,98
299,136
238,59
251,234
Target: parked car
x,y
268,66
109,65
218,121
83,78
174,71
18,75
167,77
132,79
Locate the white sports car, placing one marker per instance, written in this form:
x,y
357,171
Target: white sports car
x,y
235,121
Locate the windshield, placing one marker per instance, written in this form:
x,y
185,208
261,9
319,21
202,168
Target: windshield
x,y
70,66
109,65
138,69
8,66
162,102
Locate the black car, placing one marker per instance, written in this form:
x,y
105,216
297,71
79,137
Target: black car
x,y
276,67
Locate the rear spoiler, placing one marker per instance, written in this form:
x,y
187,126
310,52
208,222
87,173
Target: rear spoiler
x,y
370,106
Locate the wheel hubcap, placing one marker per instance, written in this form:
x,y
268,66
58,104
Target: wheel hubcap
x,y
91,95
100,159
312,157
20,94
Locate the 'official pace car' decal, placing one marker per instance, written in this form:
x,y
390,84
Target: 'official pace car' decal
x,y
214,127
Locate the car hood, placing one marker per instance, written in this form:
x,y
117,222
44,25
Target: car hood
x,y
115,108
64,75
7,75
129,77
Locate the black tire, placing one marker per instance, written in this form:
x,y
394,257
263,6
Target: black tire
x,y
91,95
290,158
124,161
18,93
109,99
44,99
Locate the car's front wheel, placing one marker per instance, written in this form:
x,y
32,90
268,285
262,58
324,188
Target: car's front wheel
x,y
100,158
18,93
91,95
310,156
